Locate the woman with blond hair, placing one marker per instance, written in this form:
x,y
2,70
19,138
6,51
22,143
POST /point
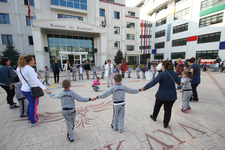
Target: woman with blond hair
x,y
29,79
179,69
148,69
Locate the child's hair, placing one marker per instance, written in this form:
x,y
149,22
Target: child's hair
x,y
16,78
154,66
66,83
103,66
118,78
188,73
34,67
46,66
80,65
97,78
144,65
187,66
108,60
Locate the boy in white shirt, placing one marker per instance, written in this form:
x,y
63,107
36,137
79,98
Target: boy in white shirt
x,y
81,71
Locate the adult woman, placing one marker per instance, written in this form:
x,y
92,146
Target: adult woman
x,y
195,69
56,69
29,79
6,81
179,69
109,72
148,67
123,68
159,67
166,94
67,68
87,68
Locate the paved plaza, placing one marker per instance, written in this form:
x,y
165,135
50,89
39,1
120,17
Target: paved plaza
x,y
202,128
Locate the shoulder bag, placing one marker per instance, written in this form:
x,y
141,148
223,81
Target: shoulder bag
x,y
172,78
34,91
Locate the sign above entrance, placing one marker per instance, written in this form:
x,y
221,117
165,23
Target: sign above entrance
x,y
70,27
74,53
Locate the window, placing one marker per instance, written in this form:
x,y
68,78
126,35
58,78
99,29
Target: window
x,y
161,8
180,28
159,56
6,39
160,34
130,36
30,40
4,19
116,15
116,44
179,42
144,36
31,2
130,13
116,30
178,55
130,47
160,22
77,4
145,25
101,12
133,59
131,25
178,2
70,16
214,19
5,1
160,45
211,54
28,20
212,37
210,3
144,47
182,13
110,0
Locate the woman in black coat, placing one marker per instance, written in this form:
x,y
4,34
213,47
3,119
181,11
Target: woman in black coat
x,y
56,69
87,68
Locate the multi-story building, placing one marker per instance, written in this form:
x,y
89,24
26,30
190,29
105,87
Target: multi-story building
x,y
74,30
185,28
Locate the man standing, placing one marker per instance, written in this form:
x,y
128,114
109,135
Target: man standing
x,y
56,70
123,67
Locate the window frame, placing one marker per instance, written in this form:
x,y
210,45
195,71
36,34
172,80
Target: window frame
x,y
3,1
27,17
178,55
179,42
101,9
203,21
160,33
208,38
71,16
210,3
161,44
199,54
30,41
130,13
25,2
117,15
129,35
180,28
183,13
130,24
7,35
158,56
114,30
4,18
161,22
118,44
130,46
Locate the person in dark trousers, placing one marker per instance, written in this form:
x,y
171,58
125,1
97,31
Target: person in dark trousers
x,y
56,69
166,94
123,67
196,79
6,81
87,68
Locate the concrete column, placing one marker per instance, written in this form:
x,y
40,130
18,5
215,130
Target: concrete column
x,y
123,25
97,19
103,47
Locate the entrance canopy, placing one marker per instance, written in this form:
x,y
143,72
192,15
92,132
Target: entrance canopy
x,y
74,53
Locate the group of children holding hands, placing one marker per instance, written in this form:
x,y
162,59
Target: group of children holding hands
x,y
143,70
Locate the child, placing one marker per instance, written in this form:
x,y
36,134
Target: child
x,y
81,71
137,71
186,68
37,72
114,69
118,91
94,69
129,71
74,70
103,71
211,66
153,71
143,69
187,91
46,74
95,84
68,106
20,97
204,67
109,72
117,69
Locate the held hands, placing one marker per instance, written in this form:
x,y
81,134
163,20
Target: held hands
x,y
142,89
93,99
47,91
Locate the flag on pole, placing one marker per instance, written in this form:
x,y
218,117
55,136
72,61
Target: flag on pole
x,y
29,10
105,21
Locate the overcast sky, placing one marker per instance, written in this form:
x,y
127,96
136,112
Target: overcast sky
x,y
132,3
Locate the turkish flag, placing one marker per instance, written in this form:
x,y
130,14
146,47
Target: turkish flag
x,y
29,11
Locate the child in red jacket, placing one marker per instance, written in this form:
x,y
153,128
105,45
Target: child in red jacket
x,y
95,84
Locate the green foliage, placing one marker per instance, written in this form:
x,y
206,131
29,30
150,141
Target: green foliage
x,y
11,53
119,57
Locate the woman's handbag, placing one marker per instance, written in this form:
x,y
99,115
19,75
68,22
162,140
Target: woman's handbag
x,y
35,92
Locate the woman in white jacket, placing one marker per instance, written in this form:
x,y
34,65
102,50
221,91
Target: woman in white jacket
x,y
109,72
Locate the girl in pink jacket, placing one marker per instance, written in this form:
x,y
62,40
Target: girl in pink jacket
x,y
95,84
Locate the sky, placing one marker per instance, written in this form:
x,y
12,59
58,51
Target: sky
x,y
132,3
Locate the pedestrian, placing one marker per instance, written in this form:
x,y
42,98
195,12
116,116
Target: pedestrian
x,y
123,67
218,59
204,67
148,69
103,71
143,69
186,91
81,71
109,72
37,72
94,69
186,68
29,79
179,69
67,68
166,94
6,81
56,70
87,68
195,69
222,66
68,106
74,72
118,91
137,70
95,84
129,71
46,74
117,69
20,97
153,71
159,66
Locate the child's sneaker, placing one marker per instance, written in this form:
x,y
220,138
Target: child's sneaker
x,y
184,111
189,108
14,106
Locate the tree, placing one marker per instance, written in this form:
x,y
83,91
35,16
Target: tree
x,y
119,57
11,53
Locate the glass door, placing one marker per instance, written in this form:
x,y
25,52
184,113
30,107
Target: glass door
x,y
83,58
77,59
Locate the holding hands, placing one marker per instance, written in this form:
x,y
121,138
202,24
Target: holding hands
x,y
93,99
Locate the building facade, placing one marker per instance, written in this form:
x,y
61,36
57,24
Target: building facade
x,y
185,28
74,30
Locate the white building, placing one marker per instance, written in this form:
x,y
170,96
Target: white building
x,y
71,30
185,28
